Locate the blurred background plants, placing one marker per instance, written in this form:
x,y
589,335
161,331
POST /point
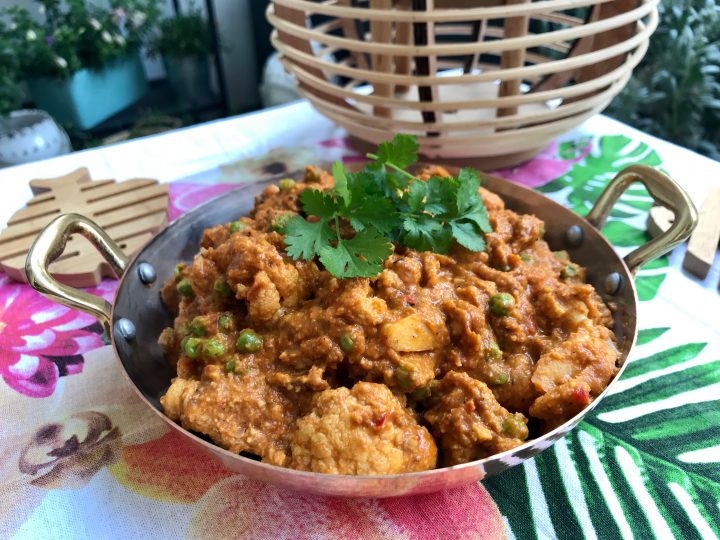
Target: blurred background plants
x,y
675,92
75,34
185,34
11,93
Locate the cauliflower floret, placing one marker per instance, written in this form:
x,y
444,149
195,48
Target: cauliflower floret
x,y
365,430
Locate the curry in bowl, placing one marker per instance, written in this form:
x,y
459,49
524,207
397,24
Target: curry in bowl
x,y
445,356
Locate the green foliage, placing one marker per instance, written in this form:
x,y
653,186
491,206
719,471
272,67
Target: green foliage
x,y
675,92
77,34
183,35
590,481
10,92
582,185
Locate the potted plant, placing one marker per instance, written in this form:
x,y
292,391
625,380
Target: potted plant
x,y
81,62
25,135
185,41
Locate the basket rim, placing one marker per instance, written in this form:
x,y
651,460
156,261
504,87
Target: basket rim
x,y
523,72
644,8
437,15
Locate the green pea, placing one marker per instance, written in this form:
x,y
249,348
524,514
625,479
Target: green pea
x,y
286,183
214,348
568,272
179,268
222,288
278,224
249,341
191,346
226,323
493,353
501,304
526,258
515,427
197,328
230,366
421,394
346,343
236,226
403,378
498,375
184,288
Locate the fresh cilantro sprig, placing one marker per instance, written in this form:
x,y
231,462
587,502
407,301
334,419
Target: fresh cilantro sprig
x,y
350,228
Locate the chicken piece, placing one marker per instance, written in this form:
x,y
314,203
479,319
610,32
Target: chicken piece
x,y
366,430
468,423
238,412
571,375
561,403
587,355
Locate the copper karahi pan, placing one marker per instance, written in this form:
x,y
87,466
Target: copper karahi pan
x,y
136,318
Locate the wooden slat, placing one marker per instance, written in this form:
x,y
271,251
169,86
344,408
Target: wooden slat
x,y
117,217
382,32
703,243
404,36
514,27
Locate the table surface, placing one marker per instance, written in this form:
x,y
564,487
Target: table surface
x,y
83,458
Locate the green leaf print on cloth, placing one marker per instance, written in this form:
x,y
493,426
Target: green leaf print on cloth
x,y
582,185
642,465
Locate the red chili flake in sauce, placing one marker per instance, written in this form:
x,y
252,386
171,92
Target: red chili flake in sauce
x,y
410,299
381,421
581,395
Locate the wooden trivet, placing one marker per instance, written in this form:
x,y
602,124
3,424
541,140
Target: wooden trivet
x,y
704,240
131,212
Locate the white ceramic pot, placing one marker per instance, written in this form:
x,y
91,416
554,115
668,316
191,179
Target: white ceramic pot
x,y
30,135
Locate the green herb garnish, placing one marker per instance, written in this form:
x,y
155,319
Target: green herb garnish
x,y
353,225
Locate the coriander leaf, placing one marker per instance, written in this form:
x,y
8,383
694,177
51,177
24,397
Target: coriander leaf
x,y
467,193
400,152
397,181
304,239
441,196
416,194
376,212
367,183
479,216
360,256
341,181
318,203
425,233
467,236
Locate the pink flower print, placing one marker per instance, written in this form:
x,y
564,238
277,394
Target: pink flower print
x,y
184,196
40,340
543,168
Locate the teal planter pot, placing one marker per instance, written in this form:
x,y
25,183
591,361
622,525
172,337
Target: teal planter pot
x,y
88,97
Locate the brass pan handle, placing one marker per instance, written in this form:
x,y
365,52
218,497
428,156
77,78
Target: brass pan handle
x,y
50,244
666,192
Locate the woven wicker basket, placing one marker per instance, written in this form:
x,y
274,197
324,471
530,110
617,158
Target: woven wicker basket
x,y
489,80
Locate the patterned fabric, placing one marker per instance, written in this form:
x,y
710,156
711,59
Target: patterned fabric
x,y
84,458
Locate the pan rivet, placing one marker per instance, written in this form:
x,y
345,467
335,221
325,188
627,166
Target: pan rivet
x,y
125,329
613,283
147,273
574,235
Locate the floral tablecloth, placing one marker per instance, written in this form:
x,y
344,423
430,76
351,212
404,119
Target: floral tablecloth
x,y
83,458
